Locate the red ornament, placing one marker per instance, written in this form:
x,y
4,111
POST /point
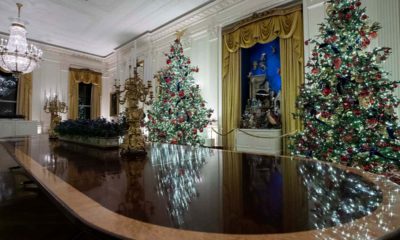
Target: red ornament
x,y
179,134
348,16
172,94
352,7
172,49
174,141
173,121
378,76
326,56
326,91
364,93
315,71
168,80
365,42
357,112
346,105
367,167
362,33
344,158
358,3
201,129
334,38
188,61
150,117
165,100
202,104
350,150
373,34
396,148
315,54
325,114
194,130
181,93
364,16
168,61
337,62
181,119
372,122
307,42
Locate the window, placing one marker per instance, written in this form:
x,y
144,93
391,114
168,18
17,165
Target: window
x,y
85,96
8,95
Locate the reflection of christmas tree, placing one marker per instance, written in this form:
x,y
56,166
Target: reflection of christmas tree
x,y
178,114
347,103
177,172
336,197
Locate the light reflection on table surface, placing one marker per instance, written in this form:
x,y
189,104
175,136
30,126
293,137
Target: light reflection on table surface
x,y
216,191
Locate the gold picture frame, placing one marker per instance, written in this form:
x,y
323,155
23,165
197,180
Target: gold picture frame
x,y
114,105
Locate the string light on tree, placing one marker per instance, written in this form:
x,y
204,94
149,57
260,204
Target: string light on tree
x,y
178,115
347,104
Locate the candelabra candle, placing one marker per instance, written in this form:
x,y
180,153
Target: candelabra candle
x,y
135,92
54,106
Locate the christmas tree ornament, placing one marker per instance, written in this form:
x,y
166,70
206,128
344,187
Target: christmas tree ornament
x,y
179,111
347,104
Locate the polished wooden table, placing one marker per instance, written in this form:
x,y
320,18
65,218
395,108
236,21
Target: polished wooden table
x,y
177,192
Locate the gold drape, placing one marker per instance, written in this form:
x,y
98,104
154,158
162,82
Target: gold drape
x,y
231,108
24,96
85,76
287,24
232,175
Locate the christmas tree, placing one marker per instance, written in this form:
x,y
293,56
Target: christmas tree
x,y
347,103
178,114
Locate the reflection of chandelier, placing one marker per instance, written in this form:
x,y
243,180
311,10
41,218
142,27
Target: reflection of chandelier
x,y
16,55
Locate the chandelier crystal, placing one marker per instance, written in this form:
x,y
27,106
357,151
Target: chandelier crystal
x,y
16,55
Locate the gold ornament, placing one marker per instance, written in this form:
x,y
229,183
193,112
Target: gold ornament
x,y
364,101
359,79
329,9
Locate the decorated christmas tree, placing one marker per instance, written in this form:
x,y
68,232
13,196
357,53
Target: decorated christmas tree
x,y
178,114
347,103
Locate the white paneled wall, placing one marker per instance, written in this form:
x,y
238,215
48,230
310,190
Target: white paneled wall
x,y
313,14
52,76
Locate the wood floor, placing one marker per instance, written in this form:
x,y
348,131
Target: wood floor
x,y
26,213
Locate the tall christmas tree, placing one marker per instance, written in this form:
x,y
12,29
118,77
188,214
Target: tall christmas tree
x,y
347,103
178,114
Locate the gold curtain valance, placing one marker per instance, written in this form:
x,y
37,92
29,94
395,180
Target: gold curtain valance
x,y
86,76
280,23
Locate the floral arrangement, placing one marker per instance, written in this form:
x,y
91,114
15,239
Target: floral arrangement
x,y
92,128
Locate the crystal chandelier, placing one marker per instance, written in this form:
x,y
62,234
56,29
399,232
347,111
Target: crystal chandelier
x,y
16,55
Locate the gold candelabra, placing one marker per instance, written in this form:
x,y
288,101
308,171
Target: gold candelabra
x,y
54,106
135,92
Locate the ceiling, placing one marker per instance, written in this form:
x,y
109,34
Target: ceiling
x,y
93,26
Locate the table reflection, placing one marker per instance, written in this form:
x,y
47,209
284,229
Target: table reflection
x,y
177,170
336,197
210,190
